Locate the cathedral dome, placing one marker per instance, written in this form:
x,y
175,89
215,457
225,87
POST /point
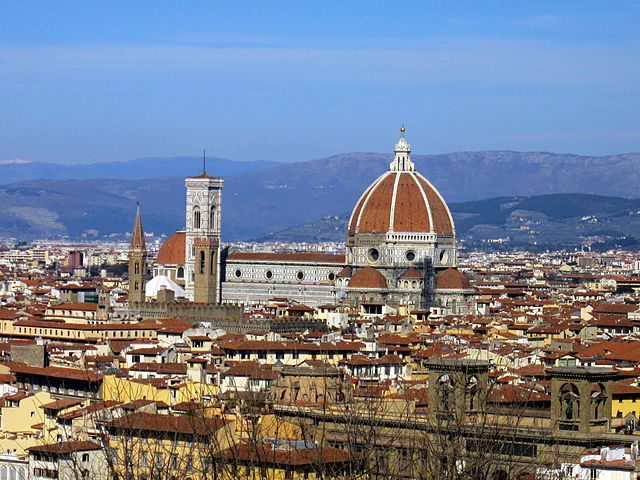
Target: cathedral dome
x,y
401,200
452,279
368,277
173,250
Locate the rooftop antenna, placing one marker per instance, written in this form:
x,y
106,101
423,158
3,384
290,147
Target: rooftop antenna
x,y
204,160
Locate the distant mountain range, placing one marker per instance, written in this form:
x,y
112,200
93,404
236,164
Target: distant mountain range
x,y
12,171
261,198
543,222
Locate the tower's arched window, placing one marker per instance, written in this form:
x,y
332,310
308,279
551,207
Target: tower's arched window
x,y
202,261
570,400
212,218
196,217
136,268
212,265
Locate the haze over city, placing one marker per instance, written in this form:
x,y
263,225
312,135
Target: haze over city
x,y
286,81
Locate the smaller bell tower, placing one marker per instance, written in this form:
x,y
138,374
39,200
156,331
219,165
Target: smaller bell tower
x,y
137,262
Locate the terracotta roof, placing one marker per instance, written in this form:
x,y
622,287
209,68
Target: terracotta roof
x,y
411,273
58,372
452,278
155,422
163,368
65,447
204,175
266,454
87,307
345,272
61,404
172,251
290,257
368,277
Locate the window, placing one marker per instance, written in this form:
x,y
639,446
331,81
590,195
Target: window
x,y
202,261
410,255
180,273
373,255
238,273
85,457
196,217
300,275
212,218
269,274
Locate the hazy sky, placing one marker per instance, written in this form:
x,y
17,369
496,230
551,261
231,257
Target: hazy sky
x,y
99,81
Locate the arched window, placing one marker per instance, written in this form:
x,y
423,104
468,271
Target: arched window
x,y
196,217
212,218
597,399
180,272
136,268
212,264
445,390
472,392
570,398
202,261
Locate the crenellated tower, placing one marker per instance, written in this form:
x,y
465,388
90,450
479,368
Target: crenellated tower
x,y
137,262
202,243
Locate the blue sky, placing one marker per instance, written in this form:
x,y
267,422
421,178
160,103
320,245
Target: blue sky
x,y
107,81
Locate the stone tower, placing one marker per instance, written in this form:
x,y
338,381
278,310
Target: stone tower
x,y
457,388
581,398
137,262
204,202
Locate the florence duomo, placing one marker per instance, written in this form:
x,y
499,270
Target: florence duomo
x,y
400,251
327,295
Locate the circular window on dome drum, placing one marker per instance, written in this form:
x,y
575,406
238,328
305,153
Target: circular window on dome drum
x,y
300,275
410,255
331,277
373,254
269,274
238,273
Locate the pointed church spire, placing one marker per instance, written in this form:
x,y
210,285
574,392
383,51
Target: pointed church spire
x,y
137,236
402,159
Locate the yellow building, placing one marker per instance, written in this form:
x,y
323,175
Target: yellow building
x,y
625,399
152,445
285,460
127,390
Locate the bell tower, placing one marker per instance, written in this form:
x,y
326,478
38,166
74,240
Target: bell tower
x,y
204,202
137,262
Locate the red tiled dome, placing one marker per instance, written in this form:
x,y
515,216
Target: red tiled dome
x,y
173,250
401,201
452,279
368,277
411,273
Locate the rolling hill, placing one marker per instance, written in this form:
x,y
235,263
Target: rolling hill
x,y
274,198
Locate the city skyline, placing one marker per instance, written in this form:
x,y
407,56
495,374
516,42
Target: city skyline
x,y
88,83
